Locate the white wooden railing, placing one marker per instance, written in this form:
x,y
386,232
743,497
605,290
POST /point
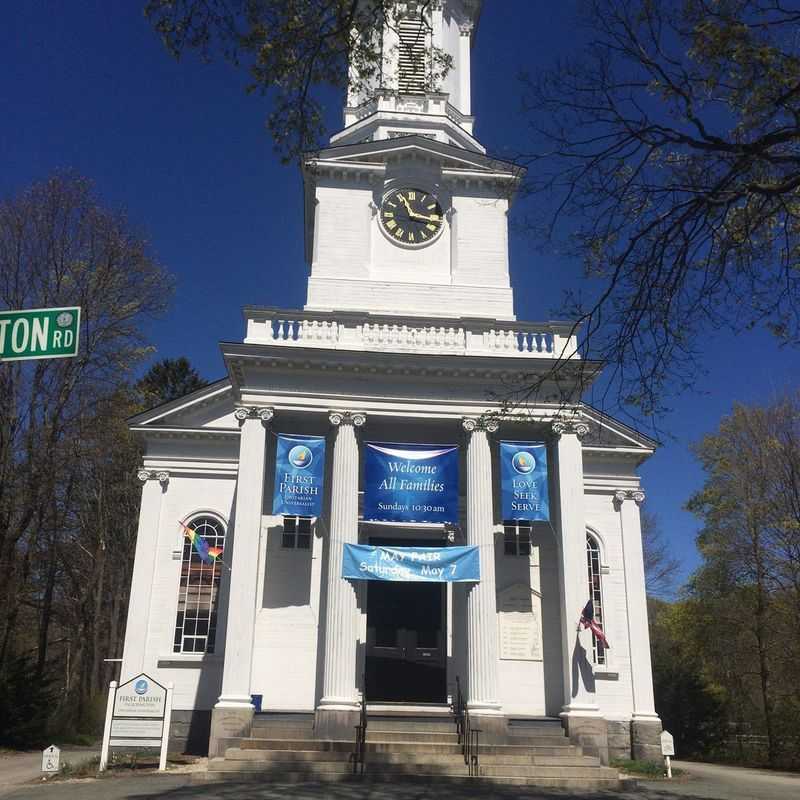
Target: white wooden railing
x,y
356,331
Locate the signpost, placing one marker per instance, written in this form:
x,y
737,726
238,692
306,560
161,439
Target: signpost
x,y
667,750
138,714
39,333
51,758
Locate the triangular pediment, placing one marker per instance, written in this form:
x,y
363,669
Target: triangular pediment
x,y
607,432
210,408
375,153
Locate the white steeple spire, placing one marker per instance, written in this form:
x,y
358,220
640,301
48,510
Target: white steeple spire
x,y
423,85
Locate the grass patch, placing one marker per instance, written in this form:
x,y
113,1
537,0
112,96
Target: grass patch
x,y
644,769
119,762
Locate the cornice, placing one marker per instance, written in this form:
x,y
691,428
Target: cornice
x,y
184,433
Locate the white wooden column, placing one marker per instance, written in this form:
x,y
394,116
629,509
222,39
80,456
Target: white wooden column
x,y
341,615
144,567
482,689
627,502
579,697
243,574
464,55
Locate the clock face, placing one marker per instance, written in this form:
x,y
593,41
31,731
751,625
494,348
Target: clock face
x,y
412,217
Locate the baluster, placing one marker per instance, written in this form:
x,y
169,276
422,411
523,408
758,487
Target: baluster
x,y
300,330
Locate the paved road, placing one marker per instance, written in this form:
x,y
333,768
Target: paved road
x,y
20,768
728,783
707,781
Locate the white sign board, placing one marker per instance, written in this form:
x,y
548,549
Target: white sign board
x,y
50,759
140,697
667,745
138,714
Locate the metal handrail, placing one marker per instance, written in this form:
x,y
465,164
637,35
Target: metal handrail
x,y
468,737
360,749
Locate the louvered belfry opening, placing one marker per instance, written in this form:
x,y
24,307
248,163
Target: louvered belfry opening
x,y
414,35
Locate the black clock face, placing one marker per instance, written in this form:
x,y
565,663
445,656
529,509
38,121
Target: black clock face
x,y
412,217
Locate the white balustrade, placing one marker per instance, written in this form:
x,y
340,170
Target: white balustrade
x,y
355,332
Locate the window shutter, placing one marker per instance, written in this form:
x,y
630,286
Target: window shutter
x,y
413,55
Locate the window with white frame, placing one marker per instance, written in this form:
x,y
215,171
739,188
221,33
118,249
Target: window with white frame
x,y
196,623
517,538
595,594
296,533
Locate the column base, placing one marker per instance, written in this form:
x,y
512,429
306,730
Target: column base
x,y
228,724
336,722
590,732
491,721
619,738
646,738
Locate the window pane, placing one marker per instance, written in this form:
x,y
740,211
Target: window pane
x,y
303,541
198,589
287,540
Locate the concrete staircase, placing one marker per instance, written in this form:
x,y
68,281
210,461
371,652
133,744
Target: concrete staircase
x,y
534,752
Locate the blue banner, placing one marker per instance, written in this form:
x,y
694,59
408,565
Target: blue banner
x,y
523,481
410,482
363,562
299,473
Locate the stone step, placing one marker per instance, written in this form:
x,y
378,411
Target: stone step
x,y
319,745
512,771
378,735
282,732
215,773
423,724
238,754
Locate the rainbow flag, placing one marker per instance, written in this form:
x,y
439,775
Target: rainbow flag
x,y
207,554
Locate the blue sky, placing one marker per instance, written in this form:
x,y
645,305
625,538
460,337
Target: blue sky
x,y
87,85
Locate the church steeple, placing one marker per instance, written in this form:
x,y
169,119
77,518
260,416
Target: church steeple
x,y
423,84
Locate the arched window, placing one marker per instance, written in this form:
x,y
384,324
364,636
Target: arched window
x,y
595,594
196,623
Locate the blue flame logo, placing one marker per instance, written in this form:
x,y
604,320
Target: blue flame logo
x,y
140,687
300,456
523,462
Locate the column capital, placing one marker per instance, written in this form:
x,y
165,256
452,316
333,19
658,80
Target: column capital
x,y
577,427
487,424
265,414
621,495
354,418
161,475
465,28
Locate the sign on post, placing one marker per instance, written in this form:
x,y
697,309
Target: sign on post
x,y
138,714
667,750
51,758
39,333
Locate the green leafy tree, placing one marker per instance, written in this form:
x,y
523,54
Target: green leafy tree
x,y
749,577
168,380
293,50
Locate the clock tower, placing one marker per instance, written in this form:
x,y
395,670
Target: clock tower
x,y
405,212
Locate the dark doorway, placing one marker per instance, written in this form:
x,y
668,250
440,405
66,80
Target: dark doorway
x,y
406,642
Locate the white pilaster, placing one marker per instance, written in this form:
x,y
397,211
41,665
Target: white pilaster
x,y
244,563
144,567
464,82
341,615
579,697
627,502
482,692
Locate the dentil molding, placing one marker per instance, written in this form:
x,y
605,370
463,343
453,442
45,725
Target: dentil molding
x,y
254,412
162,476
355,418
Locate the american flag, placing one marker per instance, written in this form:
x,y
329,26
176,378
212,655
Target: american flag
x,y
587,621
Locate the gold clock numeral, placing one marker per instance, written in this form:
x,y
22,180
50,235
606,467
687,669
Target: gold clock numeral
x,y
398,233
423,234
411,237
412,195
388,214
430,227
391,224
431,206
393,205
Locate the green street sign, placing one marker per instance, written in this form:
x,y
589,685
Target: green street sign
x,y
39,333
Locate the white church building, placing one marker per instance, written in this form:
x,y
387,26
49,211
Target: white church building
x,y
368,429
